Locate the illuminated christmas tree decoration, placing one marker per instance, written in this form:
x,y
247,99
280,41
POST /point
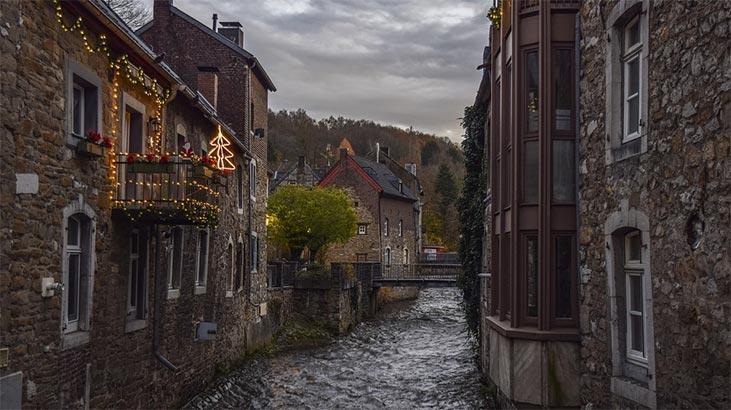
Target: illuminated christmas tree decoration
x,y
221,152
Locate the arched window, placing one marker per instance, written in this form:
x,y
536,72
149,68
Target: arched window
x,y
406,256
387,257
175,261
201,276
230,257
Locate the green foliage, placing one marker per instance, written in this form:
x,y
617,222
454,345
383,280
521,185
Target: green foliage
x,y
471,210
446,195
311,218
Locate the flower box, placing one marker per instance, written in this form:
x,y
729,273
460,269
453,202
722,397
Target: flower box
x,y
151,168
90,149
202,171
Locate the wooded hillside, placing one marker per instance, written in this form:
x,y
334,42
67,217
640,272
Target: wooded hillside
x,y
294,133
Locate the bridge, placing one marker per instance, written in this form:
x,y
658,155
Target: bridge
x,y
422,275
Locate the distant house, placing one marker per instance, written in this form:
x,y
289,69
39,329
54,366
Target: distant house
x,y
386,210
301,173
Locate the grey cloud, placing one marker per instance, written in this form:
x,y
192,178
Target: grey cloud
x,y
407,63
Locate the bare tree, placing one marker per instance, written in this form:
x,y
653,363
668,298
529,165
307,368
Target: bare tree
x,y
133,12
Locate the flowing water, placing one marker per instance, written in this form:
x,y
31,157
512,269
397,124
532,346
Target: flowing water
x,y
412,355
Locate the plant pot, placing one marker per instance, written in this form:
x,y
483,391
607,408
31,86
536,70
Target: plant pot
x,y
202,171
151,168
89,149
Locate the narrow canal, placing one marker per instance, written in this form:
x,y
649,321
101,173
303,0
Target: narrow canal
x,y
412,355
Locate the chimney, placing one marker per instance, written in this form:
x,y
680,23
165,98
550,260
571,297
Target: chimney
x,y
233,31
343,153
208,84
161,8
215,20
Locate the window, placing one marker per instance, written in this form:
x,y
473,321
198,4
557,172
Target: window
x,y
532,275
362,229
563,172
563,103
83,102
133,141
387,257
530,172
76,272
400,227
531,91
137,279
201,275
230,280
633,270
406,256
563,268
240,264
239,188
254,247
631,62
252,179
385,227
175,261
180,138
253,126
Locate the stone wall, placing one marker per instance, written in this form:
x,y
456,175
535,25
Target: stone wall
x,y
685,174
366,209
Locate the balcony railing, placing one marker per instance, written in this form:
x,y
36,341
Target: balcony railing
x,y
175,192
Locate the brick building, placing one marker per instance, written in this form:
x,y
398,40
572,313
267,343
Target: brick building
x,y
114,261
385,208
609,221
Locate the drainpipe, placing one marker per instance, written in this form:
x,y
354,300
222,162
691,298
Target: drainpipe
x,y
158,291
577,160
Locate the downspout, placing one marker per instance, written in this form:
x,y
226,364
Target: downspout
x,y
577,159
159,288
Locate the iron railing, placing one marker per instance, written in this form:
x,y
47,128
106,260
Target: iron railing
x,y
281,274
421,271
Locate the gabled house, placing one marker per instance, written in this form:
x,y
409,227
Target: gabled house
x,y
387,220
301,173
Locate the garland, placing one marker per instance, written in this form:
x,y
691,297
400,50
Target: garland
x,y
495,14
196,211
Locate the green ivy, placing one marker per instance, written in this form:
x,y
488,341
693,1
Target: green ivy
x,y
471,210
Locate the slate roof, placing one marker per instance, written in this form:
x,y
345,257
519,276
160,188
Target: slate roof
x,y
222,39
387,180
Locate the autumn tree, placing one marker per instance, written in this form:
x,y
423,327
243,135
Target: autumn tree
x,y
312,218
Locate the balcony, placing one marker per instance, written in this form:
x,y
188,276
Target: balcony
x,y
175,192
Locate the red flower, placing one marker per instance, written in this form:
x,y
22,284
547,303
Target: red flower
x,y
164,159
94,137
131,158
107,142
150,157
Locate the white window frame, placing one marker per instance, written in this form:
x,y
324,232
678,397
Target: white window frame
x,y
69,251
79,333
362,229
400,227
634,268
629,55
74,68
133,103
173,290
252,179
385,227
200,285
254,252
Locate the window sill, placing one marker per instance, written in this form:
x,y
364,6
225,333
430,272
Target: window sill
x,y
74,339
229,293
199,290
173,293
631,390
531,333
135,325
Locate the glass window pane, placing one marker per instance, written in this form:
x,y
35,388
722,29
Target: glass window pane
x,y
638,339
133,282
74,272
530,172
72,231
633,76
564,254
532,273
531,85
633,119
90,109
562,89
636,290
633,33
77,109
563,171
634,247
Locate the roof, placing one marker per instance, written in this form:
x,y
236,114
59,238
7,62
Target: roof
x,y
146,53
255,65
385,178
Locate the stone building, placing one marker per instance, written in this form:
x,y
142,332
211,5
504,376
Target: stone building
x,y
385,207
125,236
609,159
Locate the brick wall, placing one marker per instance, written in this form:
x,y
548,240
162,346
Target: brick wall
x,y
684,173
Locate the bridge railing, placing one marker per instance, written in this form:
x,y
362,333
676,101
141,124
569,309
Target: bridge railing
x,y
421,271
281,274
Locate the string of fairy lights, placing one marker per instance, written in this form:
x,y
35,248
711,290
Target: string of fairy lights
x,y
194,207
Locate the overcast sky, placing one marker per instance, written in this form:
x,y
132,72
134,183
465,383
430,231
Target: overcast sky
x,y
400,62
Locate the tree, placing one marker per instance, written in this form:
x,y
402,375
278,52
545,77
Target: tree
x,y
312,218
471,211
446,190
133,12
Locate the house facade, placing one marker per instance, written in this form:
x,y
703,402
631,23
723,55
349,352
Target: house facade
x,y
385,208
301,173
607,225
129,265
